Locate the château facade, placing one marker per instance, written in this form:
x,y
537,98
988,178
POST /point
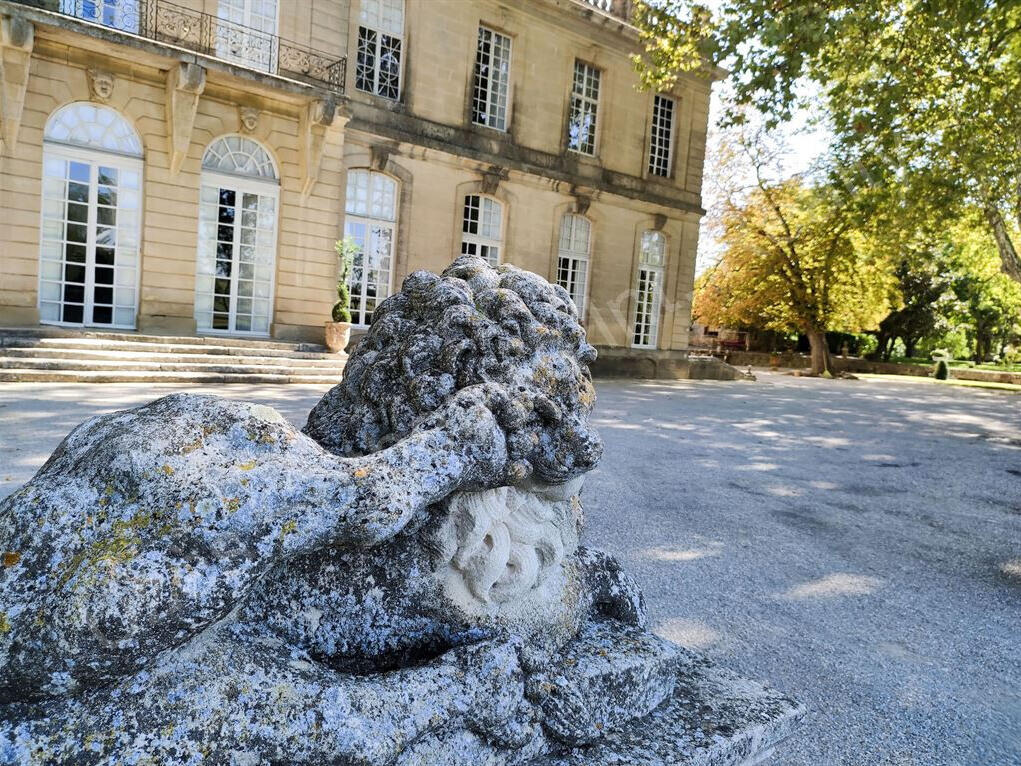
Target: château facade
x,y
185,168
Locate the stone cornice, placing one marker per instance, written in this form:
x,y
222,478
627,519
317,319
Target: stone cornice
x,y
501,152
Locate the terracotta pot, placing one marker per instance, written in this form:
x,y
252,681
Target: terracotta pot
x,y
337,335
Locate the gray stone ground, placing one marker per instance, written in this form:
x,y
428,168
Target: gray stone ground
x,y
856,544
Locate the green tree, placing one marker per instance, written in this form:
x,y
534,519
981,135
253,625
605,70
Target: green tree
x,y
790,264
920,94
924,305
989,309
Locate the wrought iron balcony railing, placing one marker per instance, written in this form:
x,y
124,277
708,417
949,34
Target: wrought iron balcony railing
x,y
209,35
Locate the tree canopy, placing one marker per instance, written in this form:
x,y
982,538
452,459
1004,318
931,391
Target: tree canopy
x,y
790,264
921,95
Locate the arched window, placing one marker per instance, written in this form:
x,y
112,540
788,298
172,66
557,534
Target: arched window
x,y
91,218
482,228
649,289
573,257
239,156
236,258
371,224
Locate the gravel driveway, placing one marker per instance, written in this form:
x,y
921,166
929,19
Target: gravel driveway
x,y
856,544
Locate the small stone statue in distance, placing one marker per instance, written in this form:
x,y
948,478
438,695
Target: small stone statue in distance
x,y
196,581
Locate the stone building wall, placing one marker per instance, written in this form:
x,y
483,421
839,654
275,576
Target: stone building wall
x,y
425,141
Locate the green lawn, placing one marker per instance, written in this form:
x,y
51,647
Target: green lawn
x,y
1006,387
957,364
993,367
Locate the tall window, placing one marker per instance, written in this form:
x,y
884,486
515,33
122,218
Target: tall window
x,y
573,258
248,37
371,222
482,228
662,138
237,238
91,218
492,77
119,14
581,129
380,41
649,289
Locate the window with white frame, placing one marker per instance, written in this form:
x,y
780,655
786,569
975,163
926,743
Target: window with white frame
x,y
482,228
662,138
581,128
573,258
492,79
371,223
249,35
380,45
91,218
236,258
649,289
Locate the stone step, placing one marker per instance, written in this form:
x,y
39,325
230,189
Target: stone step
x,y
22,375
232,367
105,344
49,354
62,333
324,361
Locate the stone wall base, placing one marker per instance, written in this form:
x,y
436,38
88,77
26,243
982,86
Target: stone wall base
x,y
166,325
855,364
298,333
18,316
660,365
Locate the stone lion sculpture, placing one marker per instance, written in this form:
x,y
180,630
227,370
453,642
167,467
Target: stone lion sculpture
x,y
197,581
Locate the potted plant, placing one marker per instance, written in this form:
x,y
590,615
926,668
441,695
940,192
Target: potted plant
x,y
339,330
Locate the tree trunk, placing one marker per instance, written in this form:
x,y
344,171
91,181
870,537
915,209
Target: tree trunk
x,y
820,352
879,353
909,347
1010,262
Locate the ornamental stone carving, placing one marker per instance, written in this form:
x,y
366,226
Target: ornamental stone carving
x,y
17,40
185,85
101,84
248,118
198,581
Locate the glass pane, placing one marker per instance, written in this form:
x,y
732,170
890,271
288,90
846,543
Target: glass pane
x,y
124,296
125,276
72,313
49,291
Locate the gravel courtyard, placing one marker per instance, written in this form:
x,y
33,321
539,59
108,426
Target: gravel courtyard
x,y
856,544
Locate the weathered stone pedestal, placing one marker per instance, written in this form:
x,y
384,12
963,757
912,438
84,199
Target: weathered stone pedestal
x,y
713,718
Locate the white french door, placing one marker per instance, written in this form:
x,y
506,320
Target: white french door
x,y
370,273
236,256
91,219
249,37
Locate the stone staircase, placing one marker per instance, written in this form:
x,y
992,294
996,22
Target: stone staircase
x,y
47,355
